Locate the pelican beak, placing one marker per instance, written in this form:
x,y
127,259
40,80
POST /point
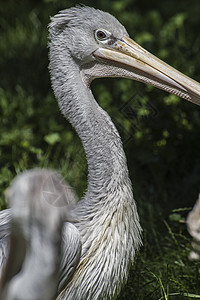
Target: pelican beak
x,y
139,64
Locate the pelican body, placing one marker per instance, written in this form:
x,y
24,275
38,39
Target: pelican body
x,y
37,198
85,43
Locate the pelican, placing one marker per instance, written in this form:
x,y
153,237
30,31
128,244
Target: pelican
x,y
86,43
193,226
37,198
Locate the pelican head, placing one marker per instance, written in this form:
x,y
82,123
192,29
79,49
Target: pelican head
x,y
101,47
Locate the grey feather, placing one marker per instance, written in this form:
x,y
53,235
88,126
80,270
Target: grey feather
x,y
5,217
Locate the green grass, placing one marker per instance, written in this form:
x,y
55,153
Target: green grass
x,y
162,269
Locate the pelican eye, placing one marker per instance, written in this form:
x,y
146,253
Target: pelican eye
x,y
101,35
